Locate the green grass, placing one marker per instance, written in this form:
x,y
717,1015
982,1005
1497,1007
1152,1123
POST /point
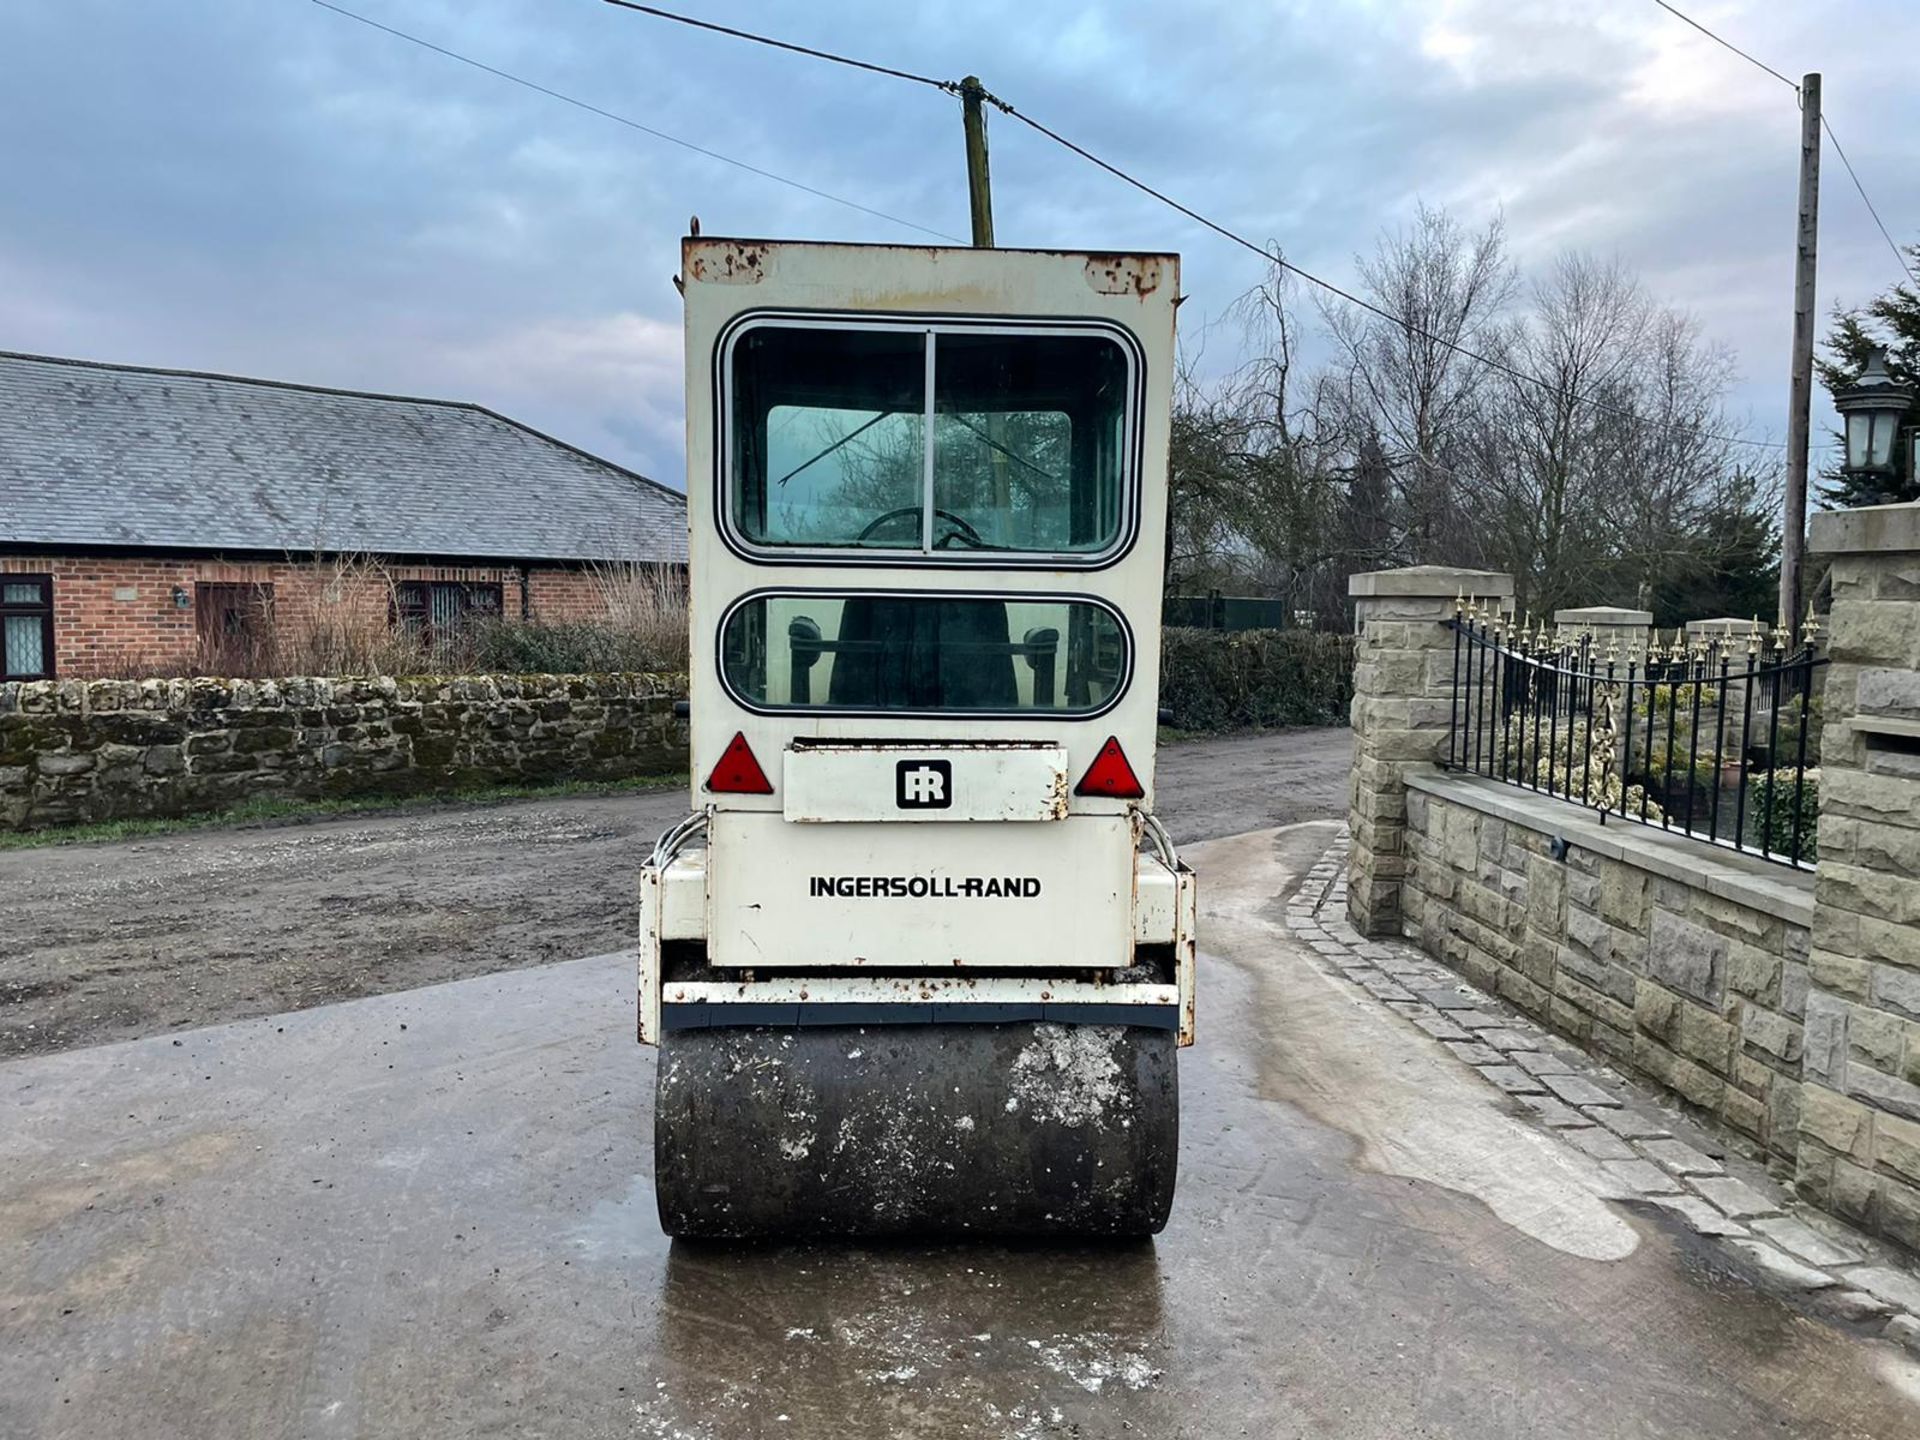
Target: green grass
x,y
296,812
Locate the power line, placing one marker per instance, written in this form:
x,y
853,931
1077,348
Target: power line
x,y
632,124
1792,85
951,87
1270,256
1898,258
1825,124
1274,258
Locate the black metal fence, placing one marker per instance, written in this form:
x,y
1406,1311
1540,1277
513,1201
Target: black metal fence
x,y
1717,738
1215,611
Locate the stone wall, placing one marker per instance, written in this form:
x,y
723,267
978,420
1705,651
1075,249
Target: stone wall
x,y
1402,706
1784,1005
1860,1129
1688,970
73,750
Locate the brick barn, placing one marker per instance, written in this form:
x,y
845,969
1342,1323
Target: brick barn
x,y
154,521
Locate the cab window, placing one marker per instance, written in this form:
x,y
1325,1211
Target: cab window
x,y
948,442
932,654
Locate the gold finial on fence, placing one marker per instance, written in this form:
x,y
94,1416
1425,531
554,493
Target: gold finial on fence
x,y
1753,638
1780,637
1460,603
1613,649
1810,632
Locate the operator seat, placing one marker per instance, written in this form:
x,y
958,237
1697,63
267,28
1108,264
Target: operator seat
x,y
898,654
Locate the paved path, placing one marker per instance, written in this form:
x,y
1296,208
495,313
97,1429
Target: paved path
x,y
428,1214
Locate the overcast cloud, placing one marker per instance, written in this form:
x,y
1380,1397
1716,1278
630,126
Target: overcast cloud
x,y
270,189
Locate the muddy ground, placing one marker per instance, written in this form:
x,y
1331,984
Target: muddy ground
x,y
114,941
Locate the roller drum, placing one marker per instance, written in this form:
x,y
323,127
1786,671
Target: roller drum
x,y
1028,1128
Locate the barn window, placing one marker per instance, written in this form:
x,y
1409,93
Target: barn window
x,y
26,627
437,610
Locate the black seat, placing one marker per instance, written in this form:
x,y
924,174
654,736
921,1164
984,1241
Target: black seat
x,y
899,654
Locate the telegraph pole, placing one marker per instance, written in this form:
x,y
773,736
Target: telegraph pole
x,y
979,183
980,203
1793,524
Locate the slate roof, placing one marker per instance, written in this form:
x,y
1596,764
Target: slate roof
x,y
122,456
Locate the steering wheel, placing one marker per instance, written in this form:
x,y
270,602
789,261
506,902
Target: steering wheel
x,y
962,531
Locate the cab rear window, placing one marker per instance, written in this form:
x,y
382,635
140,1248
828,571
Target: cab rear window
x,y
904,440
928,654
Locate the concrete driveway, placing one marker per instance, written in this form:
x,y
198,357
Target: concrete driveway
x,y
429,1214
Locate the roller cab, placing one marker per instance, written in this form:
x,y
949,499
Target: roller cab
x,y
921,909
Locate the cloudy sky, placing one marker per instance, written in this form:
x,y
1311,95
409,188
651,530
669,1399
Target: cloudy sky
x,y
264,187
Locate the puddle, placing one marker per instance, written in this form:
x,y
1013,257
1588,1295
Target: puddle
x,y
1412,1109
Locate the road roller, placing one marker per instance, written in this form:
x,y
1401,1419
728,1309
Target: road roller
x,y
920,960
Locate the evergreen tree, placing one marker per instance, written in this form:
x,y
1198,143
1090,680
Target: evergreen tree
x,y
1729,566
1891,321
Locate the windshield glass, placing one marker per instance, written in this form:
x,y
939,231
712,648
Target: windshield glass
x,y
828,440
924,653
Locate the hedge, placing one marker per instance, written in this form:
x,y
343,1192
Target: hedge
x,y
571,647
1218,680
1772,818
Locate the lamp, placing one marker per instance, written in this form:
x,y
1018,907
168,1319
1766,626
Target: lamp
x,y
180,597
1873,407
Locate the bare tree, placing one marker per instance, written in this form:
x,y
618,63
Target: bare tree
x,y
1590,460
1406,379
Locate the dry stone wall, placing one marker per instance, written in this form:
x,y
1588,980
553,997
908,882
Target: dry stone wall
x,y
74,751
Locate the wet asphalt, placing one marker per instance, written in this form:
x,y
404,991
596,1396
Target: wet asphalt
x,y
430,1214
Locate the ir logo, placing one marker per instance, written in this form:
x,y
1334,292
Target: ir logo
x,y
923,785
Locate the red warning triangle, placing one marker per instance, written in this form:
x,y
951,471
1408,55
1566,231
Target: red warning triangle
x,y
738,773
1110,775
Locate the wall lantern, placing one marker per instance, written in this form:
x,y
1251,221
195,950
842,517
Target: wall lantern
x,y
180,597
1874,409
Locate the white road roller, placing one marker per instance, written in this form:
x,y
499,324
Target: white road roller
x,y
920,960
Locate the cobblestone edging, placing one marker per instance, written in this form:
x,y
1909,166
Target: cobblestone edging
x,y
1840,1273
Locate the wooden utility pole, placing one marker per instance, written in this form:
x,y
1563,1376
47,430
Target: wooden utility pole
x,y
1793,523
979,183
980,203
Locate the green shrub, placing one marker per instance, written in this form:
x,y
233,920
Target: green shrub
x,y
1215,680
1773,819
1580,762
573,647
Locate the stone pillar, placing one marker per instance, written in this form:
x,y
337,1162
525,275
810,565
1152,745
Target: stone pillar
x,y
1859,1150
1606,623
1402,707
1730,632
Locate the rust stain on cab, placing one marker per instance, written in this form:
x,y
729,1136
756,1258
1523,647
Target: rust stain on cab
x,y
747,262
728,262
1135,275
